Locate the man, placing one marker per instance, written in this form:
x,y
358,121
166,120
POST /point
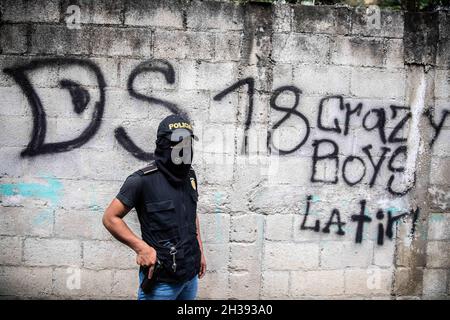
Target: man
x,y
165,195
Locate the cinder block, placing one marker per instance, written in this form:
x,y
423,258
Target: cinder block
x,y
16,221
182,45
10,250
442,59
317,283
198,75
211,163
438,254
74,282
244,285
20,126
25,282
299,177
260,111
80,224
438,226
73,167
290,256
13,38
89,195
126,283
59,40
384,256
13,102
332,80
342,254
356,51
122,42
85,75
208,15
122,106
52,252
96,12
225,110
217,256
100,169
283,17
107,254
301,48
245,228
275,284
394,53
441,146
283,199
214,285
7,62
283,75
215,228
434,282
245,256
439,197
45,77
10,158
440,170
30,11
376,83
323,19
279,227
373,281
159,13
213,200
227,46
391,24
405,284
217,140
442,84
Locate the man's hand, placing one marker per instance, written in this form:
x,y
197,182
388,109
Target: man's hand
x,y
202,267
146,257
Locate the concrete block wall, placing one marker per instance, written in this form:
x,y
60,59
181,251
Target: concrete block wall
x,y
323,161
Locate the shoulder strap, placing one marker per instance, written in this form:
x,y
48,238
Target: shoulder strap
x,y
151,167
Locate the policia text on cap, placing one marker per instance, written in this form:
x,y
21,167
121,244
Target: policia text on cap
x,y
164,194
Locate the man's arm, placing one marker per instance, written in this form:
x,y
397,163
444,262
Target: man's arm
x,y
113,222
199,239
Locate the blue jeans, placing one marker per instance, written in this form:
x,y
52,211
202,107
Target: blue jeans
x,y
170,291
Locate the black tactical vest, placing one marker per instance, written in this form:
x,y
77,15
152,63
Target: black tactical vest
x,y
167,214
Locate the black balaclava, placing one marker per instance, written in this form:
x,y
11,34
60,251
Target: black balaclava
x,y
176,173
174,135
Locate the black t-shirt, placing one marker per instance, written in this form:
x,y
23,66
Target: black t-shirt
x,y
130,190
167,215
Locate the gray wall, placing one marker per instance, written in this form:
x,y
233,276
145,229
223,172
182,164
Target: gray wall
x,y
333,117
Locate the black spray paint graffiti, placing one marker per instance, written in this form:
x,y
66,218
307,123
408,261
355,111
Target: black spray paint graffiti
x,y
168,72
400,114
361,219
80,99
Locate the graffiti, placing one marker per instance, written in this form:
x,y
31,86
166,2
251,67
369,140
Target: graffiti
x,y
168,72
250,83
385,229
388,155
436,126
80,98
289,112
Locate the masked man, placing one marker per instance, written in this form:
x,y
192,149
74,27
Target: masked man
x,y
164,193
